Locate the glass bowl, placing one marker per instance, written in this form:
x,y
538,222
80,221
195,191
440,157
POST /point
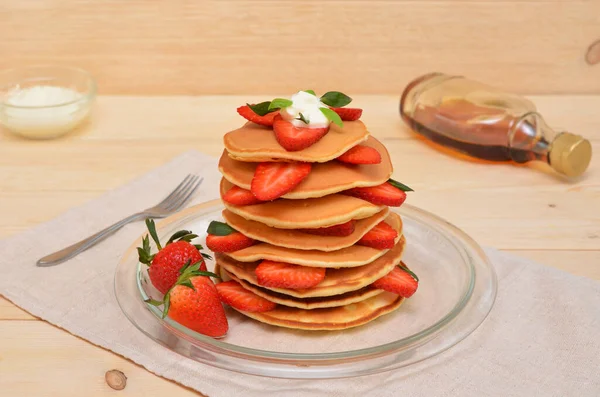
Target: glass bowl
x,y
43,102
456,291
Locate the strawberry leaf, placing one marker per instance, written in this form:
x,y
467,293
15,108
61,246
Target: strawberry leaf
x,y
167,304
280,103
260,108
179,236
332,116
152,229
219,229
310,92
335,99
400,186
198,247
303,119
153,302
206,256
187,283
144,253
407,270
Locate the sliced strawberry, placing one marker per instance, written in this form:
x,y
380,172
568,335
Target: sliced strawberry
x,y
361,154
273,180
293,138
285,275
381,237
232,293
229,243
248,114
398,281
238,196
348,114
384,194
341,230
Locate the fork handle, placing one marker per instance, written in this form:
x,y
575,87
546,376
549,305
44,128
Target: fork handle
x,y
77,248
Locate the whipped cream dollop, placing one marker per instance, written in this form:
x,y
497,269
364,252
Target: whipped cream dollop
x,y
307,104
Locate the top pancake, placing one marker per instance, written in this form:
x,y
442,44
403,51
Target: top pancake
x,y
324,178
256,143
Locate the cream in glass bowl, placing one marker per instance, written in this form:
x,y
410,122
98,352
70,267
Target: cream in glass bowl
x,y
44,102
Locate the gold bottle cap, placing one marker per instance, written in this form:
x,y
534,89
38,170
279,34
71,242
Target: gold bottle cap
x,y
570,154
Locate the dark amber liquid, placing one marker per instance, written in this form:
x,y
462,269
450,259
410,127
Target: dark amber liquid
x,y
479,132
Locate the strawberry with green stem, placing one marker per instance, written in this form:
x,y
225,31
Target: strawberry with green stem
x,y
401,281
391,193
223,238
165,264
193,301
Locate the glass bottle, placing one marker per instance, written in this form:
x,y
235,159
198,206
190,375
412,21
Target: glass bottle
x,y
485,123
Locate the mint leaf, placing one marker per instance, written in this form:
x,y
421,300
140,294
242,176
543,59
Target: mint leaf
x,y
280,103
310,92
335,99
302,118
219,229
332,116
400,186
152,229
407,270
260,108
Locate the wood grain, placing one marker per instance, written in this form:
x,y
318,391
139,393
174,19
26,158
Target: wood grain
x,y
527,211
200,47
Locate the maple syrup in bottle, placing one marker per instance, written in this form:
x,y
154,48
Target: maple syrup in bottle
x,y
482,122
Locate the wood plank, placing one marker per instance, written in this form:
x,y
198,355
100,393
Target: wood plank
x,y
199,47
37,359
8,311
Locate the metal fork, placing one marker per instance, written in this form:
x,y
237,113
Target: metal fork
x,y
173,202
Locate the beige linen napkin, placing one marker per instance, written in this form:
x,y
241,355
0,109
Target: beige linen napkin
x,y
542,337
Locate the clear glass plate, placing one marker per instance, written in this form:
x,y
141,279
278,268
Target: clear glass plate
x,y
456,291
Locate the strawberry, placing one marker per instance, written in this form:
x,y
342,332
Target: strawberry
x,y
389,193
238,196
361,154
194,302
399,281
293,138
381,237
348,114
285,275
165,264
273,180
223,238
249,114
341,230
232,293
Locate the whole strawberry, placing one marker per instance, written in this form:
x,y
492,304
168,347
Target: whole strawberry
x,y
167,262
194,302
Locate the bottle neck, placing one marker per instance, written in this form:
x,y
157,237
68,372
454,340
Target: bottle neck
x,y
530,138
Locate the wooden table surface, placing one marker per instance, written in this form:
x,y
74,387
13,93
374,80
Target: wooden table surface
x,y
528,211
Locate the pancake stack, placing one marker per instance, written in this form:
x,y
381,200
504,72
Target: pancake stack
x,y
302,227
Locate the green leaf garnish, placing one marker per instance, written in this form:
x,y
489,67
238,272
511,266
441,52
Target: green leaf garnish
x,y
219,229
407,270
399,185
335,99
310,92
303,119
152,229
332,116
280,103
260,108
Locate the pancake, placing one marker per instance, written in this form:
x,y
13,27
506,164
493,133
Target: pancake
x,y
332,318
308,213
253,142
337,281
355,255
291,238
324,178
307,303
